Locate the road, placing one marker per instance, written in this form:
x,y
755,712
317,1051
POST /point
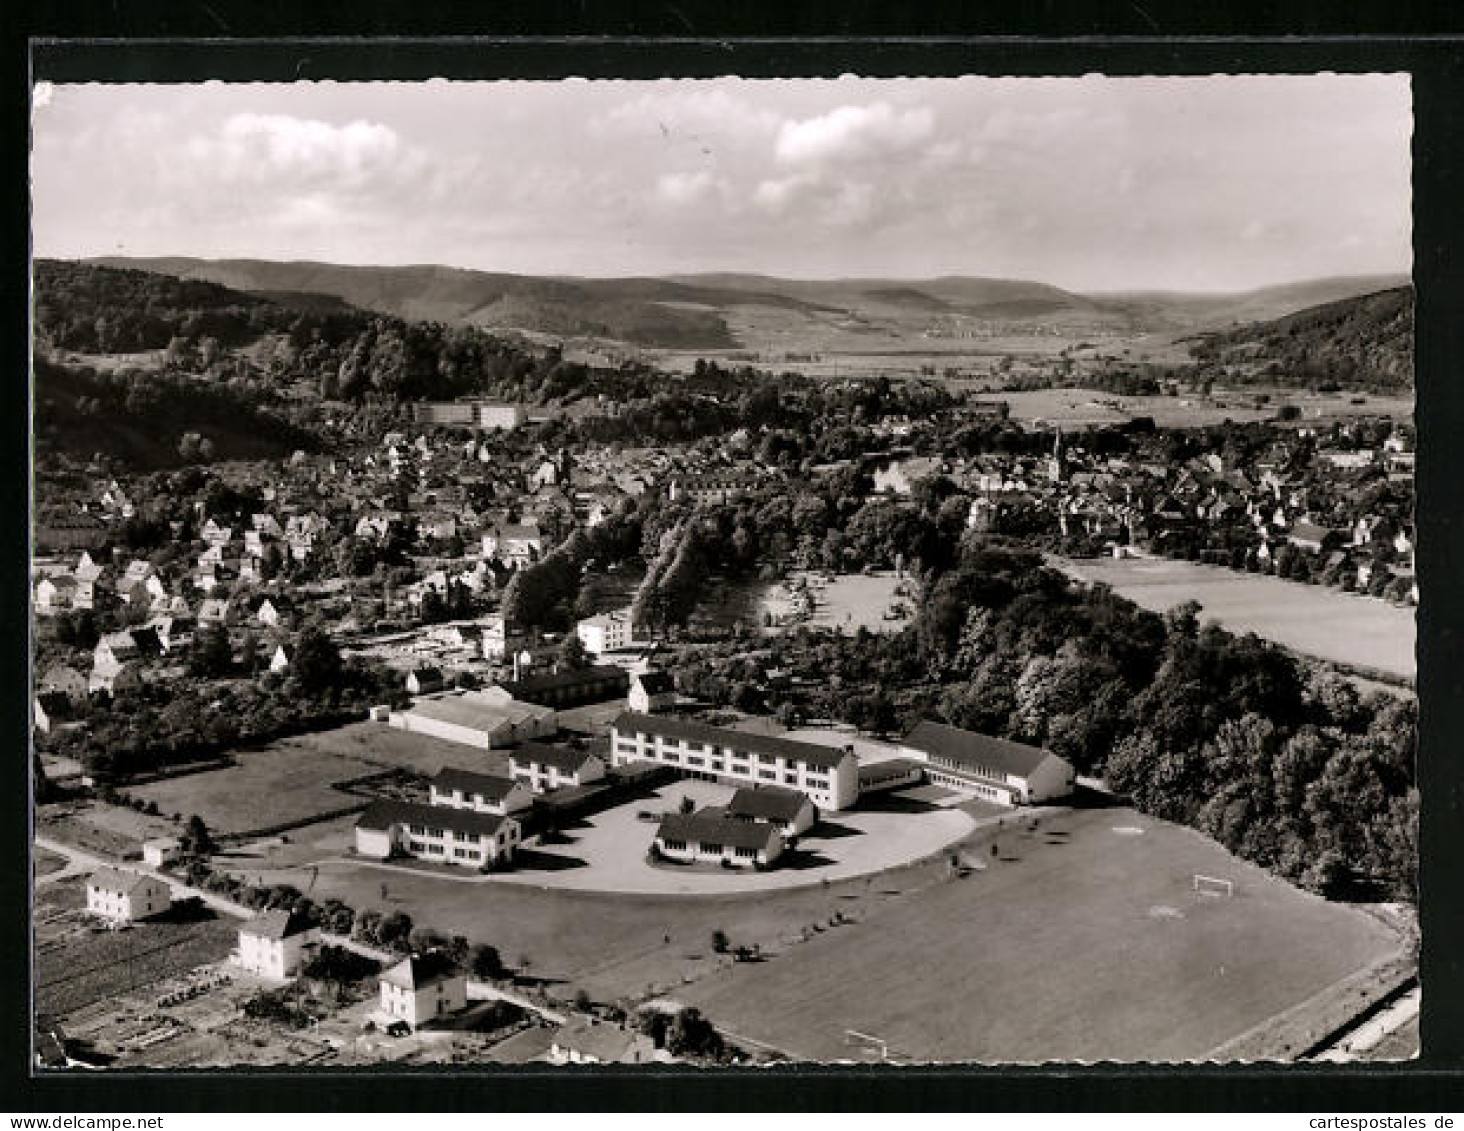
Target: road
x,y
79,860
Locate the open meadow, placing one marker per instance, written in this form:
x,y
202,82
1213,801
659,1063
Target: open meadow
x,y
285,782
1342,627
1083,941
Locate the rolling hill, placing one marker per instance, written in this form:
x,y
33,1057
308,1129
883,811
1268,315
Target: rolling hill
x,y
1364,342
721,311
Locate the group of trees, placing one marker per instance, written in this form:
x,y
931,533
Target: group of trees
x,y
1284,764
156,726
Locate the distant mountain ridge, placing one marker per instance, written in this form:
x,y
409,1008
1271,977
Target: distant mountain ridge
x,y
709,311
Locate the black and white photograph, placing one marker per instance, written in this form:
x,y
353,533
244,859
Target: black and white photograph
x,y
723,573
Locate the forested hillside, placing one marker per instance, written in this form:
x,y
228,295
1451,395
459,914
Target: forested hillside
x,y
151,420
1359,343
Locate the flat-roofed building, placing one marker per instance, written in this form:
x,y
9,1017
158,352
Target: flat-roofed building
x,y
994,769
714,838
605,632
438,833
828,776
481,793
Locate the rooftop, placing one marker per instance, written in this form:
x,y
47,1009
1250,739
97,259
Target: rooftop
x,y
422,970
117,879
562,758
767,803
491,786
278,924
967,748
382,815
810,754
714,828
475,712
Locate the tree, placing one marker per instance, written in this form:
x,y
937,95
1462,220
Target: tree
x,y
196,839
572,653
317,665
485,962
690,1034
212,655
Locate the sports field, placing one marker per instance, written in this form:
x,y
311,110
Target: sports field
x,y
1083,942
1326,623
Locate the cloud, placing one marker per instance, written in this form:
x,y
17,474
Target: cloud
x,y
685,188
853,132
268,147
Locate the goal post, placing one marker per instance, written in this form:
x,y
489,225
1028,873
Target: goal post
x,y
1213,885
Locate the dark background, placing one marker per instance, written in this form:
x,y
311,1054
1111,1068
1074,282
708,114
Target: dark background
x,y
274,40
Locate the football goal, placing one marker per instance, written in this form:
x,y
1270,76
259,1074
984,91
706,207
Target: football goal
x,y
1213,886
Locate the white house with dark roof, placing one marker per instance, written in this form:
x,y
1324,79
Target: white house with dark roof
x,y
277,944
651,692
482,793
437,833
422,988
828,776
125,896
542,768
994,769
714,838
787,810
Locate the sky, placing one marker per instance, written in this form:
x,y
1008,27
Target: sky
x,y
1092,184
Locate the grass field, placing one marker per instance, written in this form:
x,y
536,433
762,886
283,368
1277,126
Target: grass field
x,y
1087,407
1077,943
1083,946
289,780
384,747
1311,619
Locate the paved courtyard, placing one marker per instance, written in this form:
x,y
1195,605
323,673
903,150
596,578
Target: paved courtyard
x,y
607,852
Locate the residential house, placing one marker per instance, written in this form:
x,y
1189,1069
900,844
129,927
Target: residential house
x,y
652,691
54,594
126,896
277,944
423,988
598,1042
425,680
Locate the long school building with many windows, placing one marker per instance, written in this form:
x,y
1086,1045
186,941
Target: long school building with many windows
x,y
828,775
443,835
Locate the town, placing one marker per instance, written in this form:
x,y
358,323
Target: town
x,y
468,643
723,575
